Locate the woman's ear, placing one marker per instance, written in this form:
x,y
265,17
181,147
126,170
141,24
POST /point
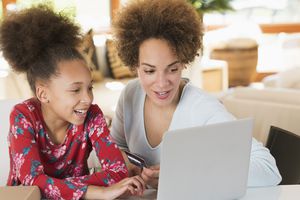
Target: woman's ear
x,y
137,71
42,93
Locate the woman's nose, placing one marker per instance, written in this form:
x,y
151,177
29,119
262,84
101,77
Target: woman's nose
x,y
162,80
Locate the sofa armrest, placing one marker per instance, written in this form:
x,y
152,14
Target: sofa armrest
x,y
278,95
265,114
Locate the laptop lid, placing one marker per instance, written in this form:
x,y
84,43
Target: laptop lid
x,y
206,162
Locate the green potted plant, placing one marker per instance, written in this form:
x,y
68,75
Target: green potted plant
x,y
205,6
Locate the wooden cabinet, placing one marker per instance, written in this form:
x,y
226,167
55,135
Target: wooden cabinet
x,y
214,75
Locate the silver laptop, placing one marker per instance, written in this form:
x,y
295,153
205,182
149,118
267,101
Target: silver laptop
x,y
208,162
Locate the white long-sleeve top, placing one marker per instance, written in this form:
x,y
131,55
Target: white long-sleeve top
x,y
195,108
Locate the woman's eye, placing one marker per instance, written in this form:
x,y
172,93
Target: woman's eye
x,y
75,91
149,71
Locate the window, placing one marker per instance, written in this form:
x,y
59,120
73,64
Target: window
x,y
263,12
93,14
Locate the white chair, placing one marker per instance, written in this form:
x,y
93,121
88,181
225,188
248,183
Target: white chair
x,y
5,109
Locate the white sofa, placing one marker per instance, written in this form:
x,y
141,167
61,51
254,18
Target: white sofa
x,y
269,106
5,108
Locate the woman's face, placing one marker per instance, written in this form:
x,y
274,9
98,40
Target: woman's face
x,y
70,92
159,71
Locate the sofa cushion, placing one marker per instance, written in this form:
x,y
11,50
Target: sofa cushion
x,y
118,69
285,79
88,51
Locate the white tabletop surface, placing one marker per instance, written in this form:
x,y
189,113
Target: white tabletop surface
x,y
282,192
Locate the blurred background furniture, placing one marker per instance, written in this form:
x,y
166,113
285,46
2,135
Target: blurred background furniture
x,y
5,108
241,54
209,74
268,106
289,78
214,75
285,147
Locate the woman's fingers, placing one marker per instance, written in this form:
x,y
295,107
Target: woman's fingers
x,y
155,167
135,185
143,184
150,172
139,183
131,189
150,176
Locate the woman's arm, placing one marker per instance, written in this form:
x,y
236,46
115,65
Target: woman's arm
x,y
263,170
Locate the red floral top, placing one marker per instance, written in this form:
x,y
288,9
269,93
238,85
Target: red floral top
x,y
61,171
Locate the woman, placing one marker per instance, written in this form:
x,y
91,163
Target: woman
x,y
52,134
158,39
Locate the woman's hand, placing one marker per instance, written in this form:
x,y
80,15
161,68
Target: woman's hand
x,y
132,169
150,175
129,186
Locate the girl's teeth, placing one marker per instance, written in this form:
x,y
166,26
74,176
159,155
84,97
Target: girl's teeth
x,y
80,111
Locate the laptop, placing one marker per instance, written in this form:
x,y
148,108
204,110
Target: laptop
x,y
207,162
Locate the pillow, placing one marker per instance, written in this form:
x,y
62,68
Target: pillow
x,y
289,78
88,51
118,69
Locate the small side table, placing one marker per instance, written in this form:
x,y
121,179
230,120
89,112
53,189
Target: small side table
x,y
214,75
20,192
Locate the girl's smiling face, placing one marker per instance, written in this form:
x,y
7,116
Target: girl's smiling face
x,y
70,92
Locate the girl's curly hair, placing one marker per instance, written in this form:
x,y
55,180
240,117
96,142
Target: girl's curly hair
x,y
175,21
34,40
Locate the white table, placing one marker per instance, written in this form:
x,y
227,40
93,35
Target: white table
x,y
282,192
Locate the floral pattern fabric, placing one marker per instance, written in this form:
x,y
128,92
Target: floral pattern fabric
x,y
61,171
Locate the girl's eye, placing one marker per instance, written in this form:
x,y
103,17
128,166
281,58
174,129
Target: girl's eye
x,y
174,69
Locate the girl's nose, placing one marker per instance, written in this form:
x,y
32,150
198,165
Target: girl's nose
x,y
87,99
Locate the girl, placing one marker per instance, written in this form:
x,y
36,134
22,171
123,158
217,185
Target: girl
x,y
52,134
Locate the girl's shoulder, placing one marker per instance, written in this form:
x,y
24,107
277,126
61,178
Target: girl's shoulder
x,y
94,114
29,108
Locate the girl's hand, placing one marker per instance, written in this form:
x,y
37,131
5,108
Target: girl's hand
x,y
129,186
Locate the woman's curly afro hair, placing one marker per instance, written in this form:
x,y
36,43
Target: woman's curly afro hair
x,y
175,21
34,40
